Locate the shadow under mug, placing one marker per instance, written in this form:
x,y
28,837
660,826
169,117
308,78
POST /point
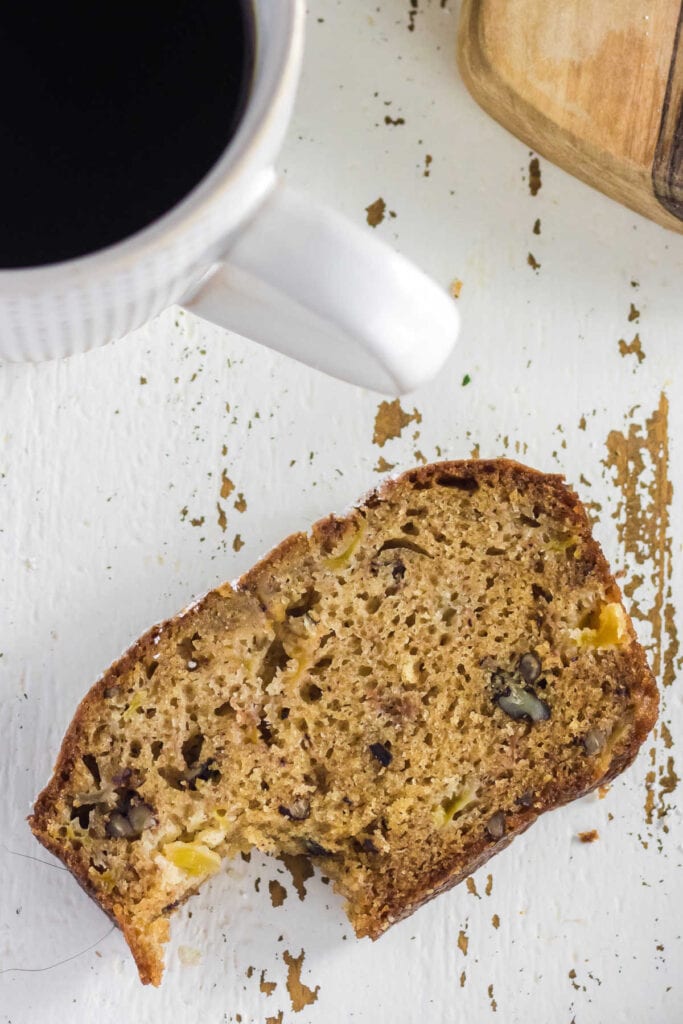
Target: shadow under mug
x,y
251,254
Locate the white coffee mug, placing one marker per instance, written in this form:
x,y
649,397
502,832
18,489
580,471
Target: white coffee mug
x,y
251,254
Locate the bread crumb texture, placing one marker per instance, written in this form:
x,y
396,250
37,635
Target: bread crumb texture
x,y
395,696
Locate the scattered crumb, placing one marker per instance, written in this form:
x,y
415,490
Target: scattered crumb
x,y
463,979
455,287
419,457
143,380
383,466
222,518
489,885
267,987
494,1004
237,542
227,486
495,921
472,887
463,942
393,120
633,314
390,421
300,995
589,837
428,161
582,423
375,212
278,893
535,183
634,348
474,454
240,503
537,226
603,790
188,956
533,262
199,521
275,1020
250,971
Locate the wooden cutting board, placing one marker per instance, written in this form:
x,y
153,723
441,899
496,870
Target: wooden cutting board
x,y
596,86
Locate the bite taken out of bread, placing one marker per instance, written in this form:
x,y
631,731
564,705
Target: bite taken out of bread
x,y
397,695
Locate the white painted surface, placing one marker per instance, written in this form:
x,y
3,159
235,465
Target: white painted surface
x,y
95,469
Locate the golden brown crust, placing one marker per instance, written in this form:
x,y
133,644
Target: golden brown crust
x,y
263,582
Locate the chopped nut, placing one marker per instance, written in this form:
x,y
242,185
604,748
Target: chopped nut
x,y
589,837
101,796
298,810
381,754
529,667
141,816
118,827
495,826
522,704
594,741
130,819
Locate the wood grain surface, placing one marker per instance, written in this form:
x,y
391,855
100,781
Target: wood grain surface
x,y
595,87
667,170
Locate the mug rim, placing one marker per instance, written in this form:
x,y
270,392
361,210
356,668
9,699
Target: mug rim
x,y
260,114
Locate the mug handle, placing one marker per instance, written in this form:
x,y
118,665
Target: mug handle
x,y
305,281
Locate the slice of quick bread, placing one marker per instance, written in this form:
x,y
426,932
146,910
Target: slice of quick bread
x,y
396,695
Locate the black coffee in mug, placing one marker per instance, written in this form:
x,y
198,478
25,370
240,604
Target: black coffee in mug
x,y
110,114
